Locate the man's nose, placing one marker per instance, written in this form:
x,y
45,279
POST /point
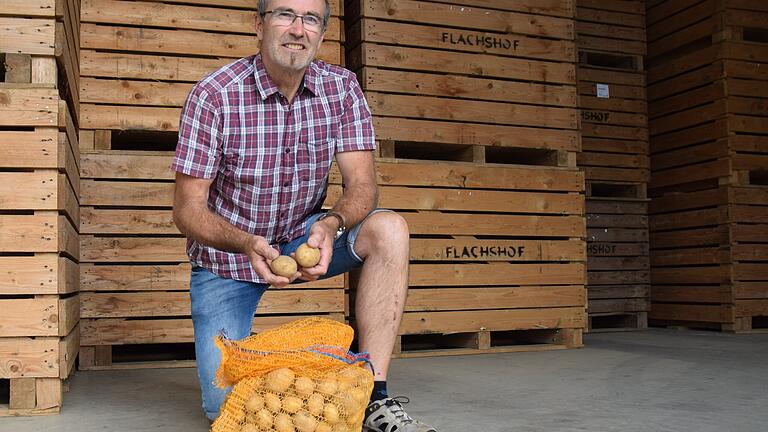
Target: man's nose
x,y
297,27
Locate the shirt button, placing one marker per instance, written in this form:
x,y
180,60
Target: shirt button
x,y
287,150
286,184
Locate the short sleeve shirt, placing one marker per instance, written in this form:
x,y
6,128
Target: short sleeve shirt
x,y
269,159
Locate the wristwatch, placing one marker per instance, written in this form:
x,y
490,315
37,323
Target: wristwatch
x,y
342,225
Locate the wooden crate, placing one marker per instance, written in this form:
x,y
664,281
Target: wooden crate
x,y
141,58
135,271
39,209
474,81
39,215
497,256
40,43
709,153
618,266
610,37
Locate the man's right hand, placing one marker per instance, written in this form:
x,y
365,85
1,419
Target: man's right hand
x,y
261,254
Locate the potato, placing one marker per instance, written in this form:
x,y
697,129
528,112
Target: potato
x,y
307,256
315,404
248,427
356,419
349,403
279,380
291,404
304,386
340,427
273,402
284,266
264,419
328,385
283,423
304,422
359,395
254,404
331,413
323,427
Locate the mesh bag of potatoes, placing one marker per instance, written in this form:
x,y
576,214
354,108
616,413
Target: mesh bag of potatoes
x,y
298,377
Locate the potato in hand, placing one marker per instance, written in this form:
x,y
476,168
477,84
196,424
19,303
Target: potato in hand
x,y
284,266
307,256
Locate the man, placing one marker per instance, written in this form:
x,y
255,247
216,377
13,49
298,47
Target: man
x,y
256,142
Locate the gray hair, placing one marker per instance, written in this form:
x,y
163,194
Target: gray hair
x,y
262,8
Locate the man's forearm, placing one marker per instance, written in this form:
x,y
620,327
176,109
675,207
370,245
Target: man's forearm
x,y
210,229
356,202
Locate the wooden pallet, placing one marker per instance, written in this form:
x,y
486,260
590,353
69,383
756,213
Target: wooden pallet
x,y
709,150
445,83
618,266
140,59
618,322
135,271
486,342
39,208
493,248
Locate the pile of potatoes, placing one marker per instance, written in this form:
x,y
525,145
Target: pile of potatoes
x,y
284,402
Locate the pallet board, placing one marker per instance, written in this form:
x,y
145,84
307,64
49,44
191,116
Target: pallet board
x,y
444,82
141,58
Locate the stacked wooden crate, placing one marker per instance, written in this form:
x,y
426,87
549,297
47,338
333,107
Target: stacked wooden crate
x,y
614,126
139,61
708,109
39,210
481,96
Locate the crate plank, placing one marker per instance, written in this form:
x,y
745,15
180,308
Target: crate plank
x,y
177,303
45,316
120,331
40,274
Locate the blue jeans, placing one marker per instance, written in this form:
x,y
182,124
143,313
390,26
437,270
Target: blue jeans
x,y
220,304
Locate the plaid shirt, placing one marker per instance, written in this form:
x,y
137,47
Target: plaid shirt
x,y
269,159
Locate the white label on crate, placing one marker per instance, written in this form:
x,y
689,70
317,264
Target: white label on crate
x,y
602,91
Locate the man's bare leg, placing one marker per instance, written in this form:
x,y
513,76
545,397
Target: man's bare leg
x,y
383,242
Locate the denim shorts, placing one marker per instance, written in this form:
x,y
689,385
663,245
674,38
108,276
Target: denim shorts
x,y
227,305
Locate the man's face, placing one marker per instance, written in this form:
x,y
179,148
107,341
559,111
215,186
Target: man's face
x,y
290,46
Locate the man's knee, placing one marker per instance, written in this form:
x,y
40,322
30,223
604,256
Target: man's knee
x,y
383,229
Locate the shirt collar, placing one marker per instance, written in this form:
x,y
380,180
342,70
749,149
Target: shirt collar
x,y
267,87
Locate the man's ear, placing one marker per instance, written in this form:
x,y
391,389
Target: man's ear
x,y
259,27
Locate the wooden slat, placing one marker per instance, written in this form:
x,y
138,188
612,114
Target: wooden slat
x,y
191,42
119,331
456,86
493,320
28,106
389,105
426,60
27,35
495,274
40,274
459,298
45,316
160,278
177,303
408,130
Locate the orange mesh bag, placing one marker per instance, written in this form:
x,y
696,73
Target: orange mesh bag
x,y
299,377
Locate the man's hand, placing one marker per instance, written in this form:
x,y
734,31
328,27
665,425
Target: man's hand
x,y
320,236
261,254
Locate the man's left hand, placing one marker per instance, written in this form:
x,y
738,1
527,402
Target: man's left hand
x,y
320,236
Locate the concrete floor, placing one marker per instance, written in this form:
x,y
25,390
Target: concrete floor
x,y
659,380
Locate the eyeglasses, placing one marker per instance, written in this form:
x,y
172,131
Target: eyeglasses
x,y
285,18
